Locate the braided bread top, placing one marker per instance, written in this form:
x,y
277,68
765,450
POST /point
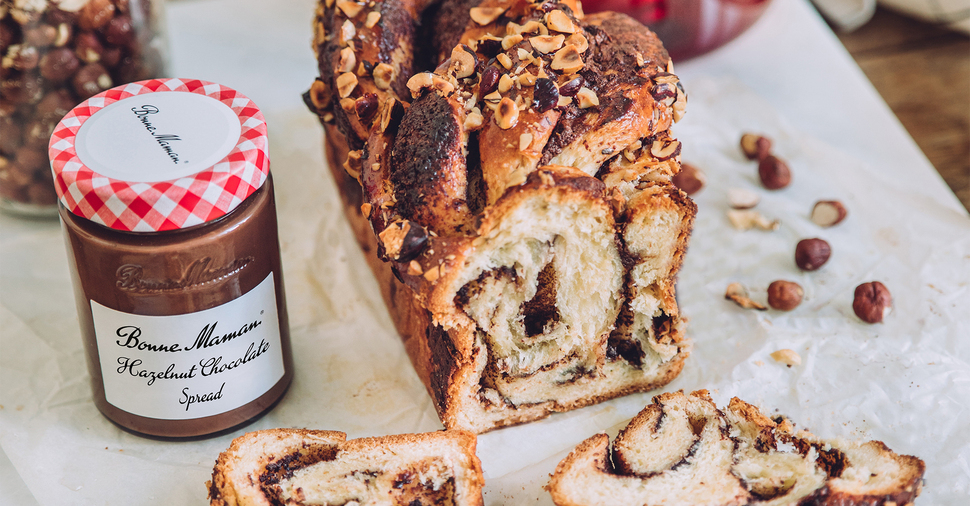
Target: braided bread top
x,y
516,86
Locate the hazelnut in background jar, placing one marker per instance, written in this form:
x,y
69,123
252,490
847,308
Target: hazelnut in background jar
x,y
169,215
53,55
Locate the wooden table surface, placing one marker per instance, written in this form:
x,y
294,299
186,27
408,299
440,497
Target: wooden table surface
x,y
922,72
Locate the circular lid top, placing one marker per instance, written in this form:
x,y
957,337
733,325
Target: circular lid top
x,y
159,155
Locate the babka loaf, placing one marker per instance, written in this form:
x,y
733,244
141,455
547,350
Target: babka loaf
x,y
683,450
297,467
516,203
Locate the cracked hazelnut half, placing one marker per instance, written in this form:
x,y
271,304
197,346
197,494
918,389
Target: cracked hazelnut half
x,y
690,179
755,147
827,213
872,302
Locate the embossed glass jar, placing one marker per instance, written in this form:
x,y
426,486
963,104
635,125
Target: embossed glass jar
x,y
56,53
170,221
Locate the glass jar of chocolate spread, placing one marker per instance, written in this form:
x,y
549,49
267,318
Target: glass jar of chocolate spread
x,y
168,210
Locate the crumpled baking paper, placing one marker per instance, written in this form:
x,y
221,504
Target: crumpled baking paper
x,y
905,382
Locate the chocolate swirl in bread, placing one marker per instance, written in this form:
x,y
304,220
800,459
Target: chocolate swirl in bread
x,y
518,196
684,450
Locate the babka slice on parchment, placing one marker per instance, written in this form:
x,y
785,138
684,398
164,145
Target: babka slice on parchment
x,y
514,203
299,466
683,450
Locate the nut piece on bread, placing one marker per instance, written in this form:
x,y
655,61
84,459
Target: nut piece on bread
x,y
303,467
683,450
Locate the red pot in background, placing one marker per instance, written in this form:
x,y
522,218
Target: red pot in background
x,y
688,27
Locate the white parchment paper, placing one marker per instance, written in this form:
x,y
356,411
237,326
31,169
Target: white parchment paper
x,y
905,381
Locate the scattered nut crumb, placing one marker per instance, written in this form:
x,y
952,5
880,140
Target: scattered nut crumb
x,y
787,357
737,293
744,219
743,198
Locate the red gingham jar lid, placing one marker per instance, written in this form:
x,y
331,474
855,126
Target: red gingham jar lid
x,y
159,155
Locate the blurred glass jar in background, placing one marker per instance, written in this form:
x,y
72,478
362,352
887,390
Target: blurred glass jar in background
x,y
688,28
55,54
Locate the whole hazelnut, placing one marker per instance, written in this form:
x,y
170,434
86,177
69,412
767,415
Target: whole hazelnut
x,y
690,179
872,302
88,47
90,80
774,173
755,147
784,295
95,14
120,31
810,254
59,64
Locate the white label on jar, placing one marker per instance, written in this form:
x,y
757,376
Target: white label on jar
x,y
191,365
158,136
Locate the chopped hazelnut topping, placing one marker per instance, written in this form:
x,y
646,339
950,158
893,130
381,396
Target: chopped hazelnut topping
x,y
393,238
474,119
347,32
507,114
347,60
510,41
418,82
319,33
546,44
579,41
525,140
350,9
346,83
527,79
504,60
431,274
320,95
414,268
485,15
383,76
348,104
524,56
493,97
564,100
462,62
373,17
365,209
587,98
567,59
505,83
558,20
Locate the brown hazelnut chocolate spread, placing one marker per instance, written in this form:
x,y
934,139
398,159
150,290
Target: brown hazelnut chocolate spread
x,y
172,273
169,215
